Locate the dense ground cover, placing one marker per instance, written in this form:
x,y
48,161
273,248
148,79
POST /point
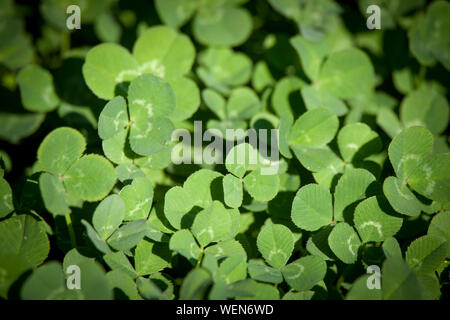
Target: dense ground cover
x,y
93,204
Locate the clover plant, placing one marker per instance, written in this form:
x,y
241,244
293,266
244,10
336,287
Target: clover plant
x,y
355,205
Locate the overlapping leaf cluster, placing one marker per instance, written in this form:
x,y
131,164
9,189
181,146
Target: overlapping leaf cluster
x,y
363,177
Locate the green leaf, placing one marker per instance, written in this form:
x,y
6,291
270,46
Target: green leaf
x,y
120,280
128,172
430,287
391,248
389,122
91,178
107,28
439,227
241,158
113,118
12,266
195,284
18,126
286,121
401,198
212,224
304,273
222,26
408,149
314,128
53,194
312,207
108,215
98,242
232,269
259,271
425,254
282,95
77,116
276,243
360,290
403,80
215,102
154,230
399,281
316,97
94,284
222,68
227,248
327,176
6,204
184,243
150,100
262,187
164,52
175,13
428,38
106,66
252,290
187,96
157,161
235,216
60,149
242,104
311,54
24,237
36,89
432,177
373,223
232,189
138,197
151,257
164,284
119,261
17,50
262,77
117,149
344,242
201,186
318,245
316,159
356,141
5,163
425,107
128,235
211,264
153,287
176,204
47,283
353,186
315,27
347,73
235,124
302,295
104,172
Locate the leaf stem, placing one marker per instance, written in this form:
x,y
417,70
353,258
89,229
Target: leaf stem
x,y
339,282
421,75
65,43
200,258
71,230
